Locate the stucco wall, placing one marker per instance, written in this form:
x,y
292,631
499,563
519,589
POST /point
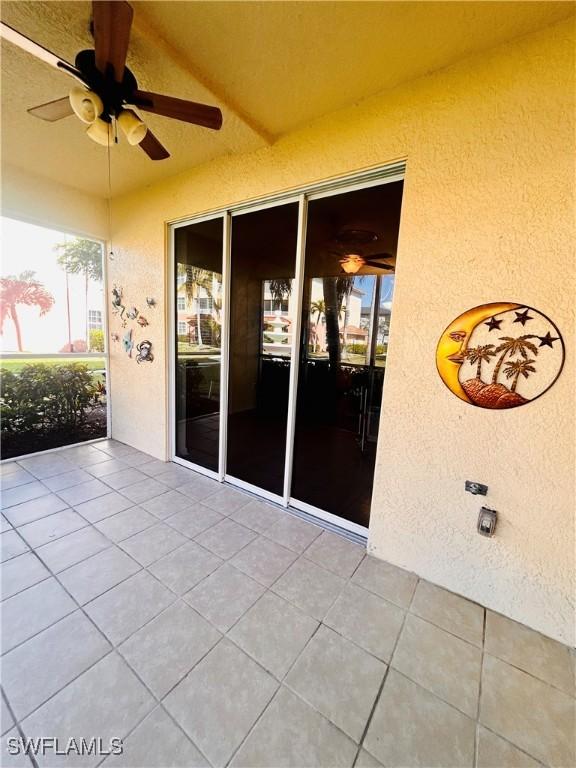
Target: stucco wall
x,y
46,203
487,216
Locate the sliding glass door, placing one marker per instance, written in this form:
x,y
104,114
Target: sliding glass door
x,y
198,324
350,263
262,316
282,316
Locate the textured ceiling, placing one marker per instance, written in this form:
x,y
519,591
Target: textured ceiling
x,y
271,67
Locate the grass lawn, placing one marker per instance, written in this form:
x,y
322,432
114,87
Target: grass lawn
x,y
93,363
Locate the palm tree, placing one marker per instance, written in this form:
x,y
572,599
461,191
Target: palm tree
x,y
512,346
479,355
22,289
515,368
197,278
81,257
317,308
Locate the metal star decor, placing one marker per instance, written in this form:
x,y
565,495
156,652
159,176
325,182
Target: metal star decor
x,y
548,340
493,324
523,317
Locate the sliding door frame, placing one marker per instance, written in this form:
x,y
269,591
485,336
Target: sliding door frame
x,y
387,174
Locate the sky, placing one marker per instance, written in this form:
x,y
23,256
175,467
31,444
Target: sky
x,y
29,247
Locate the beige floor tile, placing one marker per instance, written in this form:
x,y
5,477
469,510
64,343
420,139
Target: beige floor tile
x,y
312,588
224,596
527,649
107,700
292,735
22,493
126,523
367,620
226,538
20,573
200,488
33,610
413,728
220,700
98,574
78,494
73,548
532,715
440,662
33,510
193,520
261,632
128,606
185,567
144,490
67,480
386,580
227,501
44,664
167,504
51,528
6,719
264,560
157,741
365,760
336,553
153,543
293,533
167,648
103,506
123,478
339,679
11,545
257,515
495,752
451,612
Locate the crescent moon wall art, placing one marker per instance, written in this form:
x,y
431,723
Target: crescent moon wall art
x,y
500,355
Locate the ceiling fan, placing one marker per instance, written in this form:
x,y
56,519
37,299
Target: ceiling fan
x,y
107,88
352,245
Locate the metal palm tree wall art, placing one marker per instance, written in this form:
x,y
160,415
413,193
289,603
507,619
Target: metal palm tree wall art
x,y
500,355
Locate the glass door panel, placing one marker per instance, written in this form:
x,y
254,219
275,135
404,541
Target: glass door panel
x,y
348,283
262,314
198,323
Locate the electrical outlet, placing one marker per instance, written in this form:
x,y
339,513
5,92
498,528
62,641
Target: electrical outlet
x,y
487,522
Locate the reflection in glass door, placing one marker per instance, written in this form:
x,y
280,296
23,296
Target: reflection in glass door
x,y
304,314
198,324
262,315
348,285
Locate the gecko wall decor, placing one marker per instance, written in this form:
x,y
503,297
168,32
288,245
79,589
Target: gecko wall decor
x,y
500,355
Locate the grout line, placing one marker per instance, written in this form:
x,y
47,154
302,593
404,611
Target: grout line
x,y
379,694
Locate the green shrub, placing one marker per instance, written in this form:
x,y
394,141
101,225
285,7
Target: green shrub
x,y
96,340
356,349
46,397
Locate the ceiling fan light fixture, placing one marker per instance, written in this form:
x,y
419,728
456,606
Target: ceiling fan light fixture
x,y
101,132
352,263
132,127
87,105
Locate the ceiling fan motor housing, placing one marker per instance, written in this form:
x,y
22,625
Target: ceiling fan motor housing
x,y
112,94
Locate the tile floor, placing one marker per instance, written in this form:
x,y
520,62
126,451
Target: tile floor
x,y
144,602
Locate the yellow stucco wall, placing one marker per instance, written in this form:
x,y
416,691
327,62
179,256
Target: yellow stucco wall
x,y
487,216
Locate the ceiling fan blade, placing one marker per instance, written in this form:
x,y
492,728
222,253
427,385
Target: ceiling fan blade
x,y
53,110
153,148
23,42
178,109
379,264
112,24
